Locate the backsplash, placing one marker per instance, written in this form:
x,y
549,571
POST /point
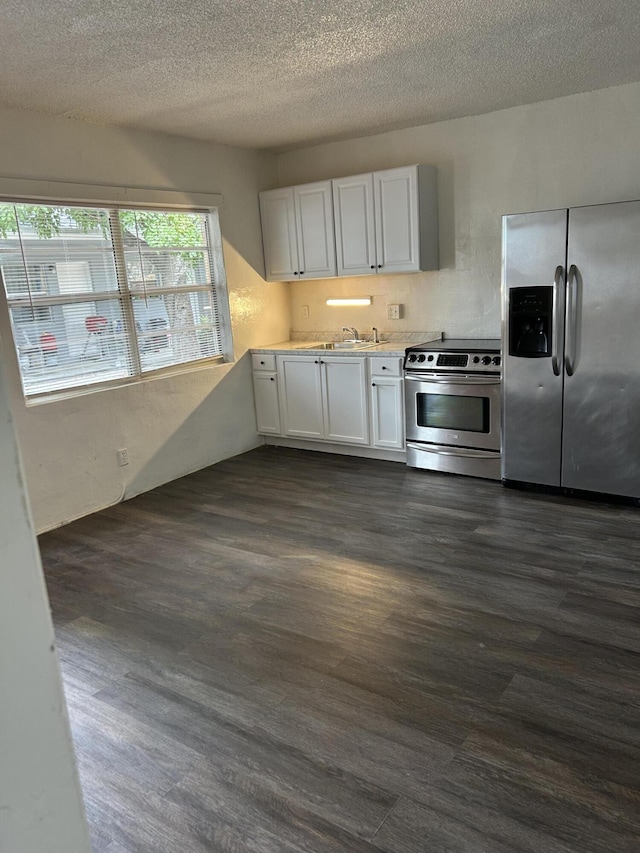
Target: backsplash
x,y
333,335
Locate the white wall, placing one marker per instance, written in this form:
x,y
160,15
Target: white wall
x,y
173,425
40,805
572,151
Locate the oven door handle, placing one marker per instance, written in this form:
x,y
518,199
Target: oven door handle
x,y
444,450
442,379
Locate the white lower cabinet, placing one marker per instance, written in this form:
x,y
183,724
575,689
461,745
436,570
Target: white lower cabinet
x,y
345,400
265,389
324,397
349,400
387,403
301,404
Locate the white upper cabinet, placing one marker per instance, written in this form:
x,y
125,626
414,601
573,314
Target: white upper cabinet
x,y
314,229
355,225
381,222
279,234
297,232
387,222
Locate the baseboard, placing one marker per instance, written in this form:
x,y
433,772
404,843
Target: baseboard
x,y
341,449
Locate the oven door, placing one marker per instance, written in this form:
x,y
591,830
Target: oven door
x,y
454,410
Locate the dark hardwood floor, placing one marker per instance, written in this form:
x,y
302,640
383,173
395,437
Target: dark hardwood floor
x,y
294,651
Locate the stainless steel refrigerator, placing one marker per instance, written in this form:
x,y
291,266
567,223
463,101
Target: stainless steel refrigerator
x,y
571,348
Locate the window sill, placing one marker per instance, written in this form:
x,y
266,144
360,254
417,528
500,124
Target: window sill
x,y
150,376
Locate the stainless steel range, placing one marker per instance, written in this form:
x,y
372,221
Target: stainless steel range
x,y
453,406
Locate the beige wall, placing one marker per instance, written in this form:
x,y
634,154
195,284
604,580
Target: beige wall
x,y
173,425
572,151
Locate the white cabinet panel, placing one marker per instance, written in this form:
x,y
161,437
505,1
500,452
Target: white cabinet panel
x,y
265,389
344,383
397,213
279,235
302,399
314,230
387,413
355,225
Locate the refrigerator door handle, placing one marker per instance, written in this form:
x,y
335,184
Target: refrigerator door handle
x,y
570,320
558,281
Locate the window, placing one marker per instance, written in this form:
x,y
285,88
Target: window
x,y
97,294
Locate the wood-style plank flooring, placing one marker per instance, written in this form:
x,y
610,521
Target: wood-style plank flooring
x,y
293,651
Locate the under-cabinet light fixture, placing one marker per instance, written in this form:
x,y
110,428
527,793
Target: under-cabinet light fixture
x,y
350,300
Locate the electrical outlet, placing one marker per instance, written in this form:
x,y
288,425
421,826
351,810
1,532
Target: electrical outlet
x,y
394,312
123,456
305,312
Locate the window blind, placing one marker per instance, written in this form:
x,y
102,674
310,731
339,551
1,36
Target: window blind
x,y
98,294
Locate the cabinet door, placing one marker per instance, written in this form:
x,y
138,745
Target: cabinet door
x,y
387,413
397,219
301,396
355,225
314,229
279,235
265,389
345,400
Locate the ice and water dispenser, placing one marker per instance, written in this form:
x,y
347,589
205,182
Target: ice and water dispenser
x,y
530,320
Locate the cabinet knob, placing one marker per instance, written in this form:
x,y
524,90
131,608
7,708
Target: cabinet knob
x,y
316,362
373,266
379,266
301,272
295,272
373,384
262,362
383,367
272,379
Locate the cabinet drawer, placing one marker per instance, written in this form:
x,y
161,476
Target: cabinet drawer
x,y
263,362
385,366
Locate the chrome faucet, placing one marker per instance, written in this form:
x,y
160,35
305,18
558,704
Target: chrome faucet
x,y
353,331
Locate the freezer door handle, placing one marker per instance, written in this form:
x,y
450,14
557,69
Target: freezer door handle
x,y
558,281
571,318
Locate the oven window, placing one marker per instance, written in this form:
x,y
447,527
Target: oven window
x,y
450,411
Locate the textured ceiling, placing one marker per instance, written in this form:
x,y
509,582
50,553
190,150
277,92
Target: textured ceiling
x,y
285,73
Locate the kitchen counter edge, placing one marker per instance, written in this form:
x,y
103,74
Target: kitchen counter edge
x,y
389,348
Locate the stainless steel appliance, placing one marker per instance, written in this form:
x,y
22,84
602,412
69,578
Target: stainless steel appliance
x,y
452,406
571,330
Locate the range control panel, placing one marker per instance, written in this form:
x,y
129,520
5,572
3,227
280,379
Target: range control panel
x,y
467,362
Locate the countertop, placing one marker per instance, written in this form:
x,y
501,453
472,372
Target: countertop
x,y
385,348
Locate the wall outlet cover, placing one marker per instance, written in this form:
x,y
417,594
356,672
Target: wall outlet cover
x,y
394,312
305,312
123,456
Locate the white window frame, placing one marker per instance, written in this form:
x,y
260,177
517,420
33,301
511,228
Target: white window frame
x,y
52,193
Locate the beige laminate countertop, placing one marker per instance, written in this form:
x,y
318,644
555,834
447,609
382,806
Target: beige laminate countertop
x,y
388,348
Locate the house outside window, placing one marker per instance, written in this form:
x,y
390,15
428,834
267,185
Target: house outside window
x,y
98,294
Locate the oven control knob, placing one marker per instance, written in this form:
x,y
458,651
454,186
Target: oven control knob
x,y
421,357
430,358
486,359
476,359
496,360
413,356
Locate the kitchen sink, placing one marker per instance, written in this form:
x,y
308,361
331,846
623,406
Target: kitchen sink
x,y
339,345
